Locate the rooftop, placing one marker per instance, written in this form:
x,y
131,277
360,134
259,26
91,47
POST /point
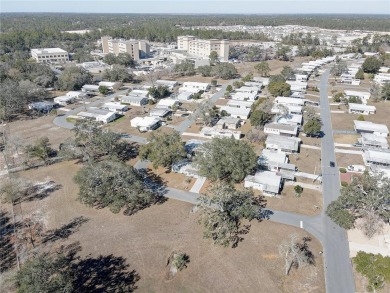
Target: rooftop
x,y
370,126
286,127
48,50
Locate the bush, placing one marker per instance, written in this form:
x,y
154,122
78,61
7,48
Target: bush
x,y
343,170
361,118
343,183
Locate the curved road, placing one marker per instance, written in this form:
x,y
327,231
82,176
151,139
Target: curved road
x,y
337,265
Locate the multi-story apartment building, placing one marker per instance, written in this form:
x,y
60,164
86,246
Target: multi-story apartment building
x,y
50,55
136,48
203,48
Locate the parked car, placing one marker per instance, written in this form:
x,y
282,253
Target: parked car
x,y
332,164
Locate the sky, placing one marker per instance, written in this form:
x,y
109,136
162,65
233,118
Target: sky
x,y
201,6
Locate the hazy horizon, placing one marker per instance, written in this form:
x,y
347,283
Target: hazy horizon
x,y
259,7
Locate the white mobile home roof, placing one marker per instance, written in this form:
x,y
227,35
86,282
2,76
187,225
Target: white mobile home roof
x,y
168,83
167,103
365,95
282,142
372,139
133,99
242,113
361,107
139,93
247,89
293,129
272,156
377,156
144,121
184,96
269,181
290,101
370,126
240,104
90,87
62,99
242,96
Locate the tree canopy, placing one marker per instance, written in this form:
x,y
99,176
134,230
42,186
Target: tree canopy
x,y
371,64
260,118
312,127
163,149
73,78
226,159
279,88
117,73
114,185
263,68
366,198
224,208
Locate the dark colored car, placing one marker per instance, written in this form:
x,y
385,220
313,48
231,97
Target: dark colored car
x,y
331,164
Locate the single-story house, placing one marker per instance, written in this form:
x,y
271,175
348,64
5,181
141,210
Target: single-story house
x,y
108,84
301,77
185,167
269,183
217,132
297,95
184,96
263,80
349,78
242,113
370,127
134,100
369,140
159,112
194,87
281,129
290,101
168,83
277,161
377,157
98,115
282,143
75,94
297,86
139,93
167,103
290,119
90,88
361,109
242,96
240,104
115,107
145,123
259,85
64,100
291,109
247,89
364,96
382,78
44,106
228,123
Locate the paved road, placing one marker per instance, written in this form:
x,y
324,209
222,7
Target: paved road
x,y
338,270
60,120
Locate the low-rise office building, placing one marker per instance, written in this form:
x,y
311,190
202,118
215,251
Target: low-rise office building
x,y
50,55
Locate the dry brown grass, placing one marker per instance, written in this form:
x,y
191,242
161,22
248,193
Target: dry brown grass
x,y
307,160
199,78
343,121
344,160
310,202
345,138
27,131
147,238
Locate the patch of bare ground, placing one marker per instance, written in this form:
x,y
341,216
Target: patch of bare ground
x,y
29,130
172,179
308,160
147,238
343,121
310,202
382,113
314,141
345,138
344,160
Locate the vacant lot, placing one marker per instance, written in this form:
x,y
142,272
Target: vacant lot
x,y
27,131
343,160
346,138
310,202
382,113
308,160
147,238
343,121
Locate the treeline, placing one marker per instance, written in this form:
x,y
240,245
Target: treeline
x,y
19,21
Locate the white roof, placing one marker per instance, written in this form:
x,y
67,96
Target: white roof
x,y
272,156
144,121
159,112
357,93
291,101
106,83
184,95
244,95
290,118
370,126
240,103
48,50
132,98
139,93
285,127
90,87
63,98
269,180
215,132
115,105
353,106
378,156
372,139
167,102
237,112
247,89
282,142
195,84
166,82
291,108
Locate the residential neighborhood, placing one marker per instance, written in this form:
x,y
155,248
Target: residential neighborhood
x,y
199,153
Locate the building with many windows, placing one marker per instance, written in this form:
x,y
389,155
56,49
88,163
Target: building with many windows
x,y
50,55
136,48
203,48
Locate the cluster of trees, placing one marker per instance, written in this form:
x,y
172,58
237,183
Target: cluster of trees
x,y
249,53
371,64
124,59
313,124
73,78
219,70
375,267
158,92
22,82
226,159
380,92
364,203
185,68
117,73
278,86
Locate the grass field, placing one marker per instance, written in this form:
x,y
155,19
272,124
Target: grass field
x,y
146,239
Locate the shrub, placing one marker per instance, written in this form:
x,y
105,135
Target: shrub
x,y
343,170
361,118
344,184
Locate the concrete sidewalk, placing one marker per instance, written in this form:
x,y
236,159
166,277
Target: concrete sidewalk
x,y
198,185
352,152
